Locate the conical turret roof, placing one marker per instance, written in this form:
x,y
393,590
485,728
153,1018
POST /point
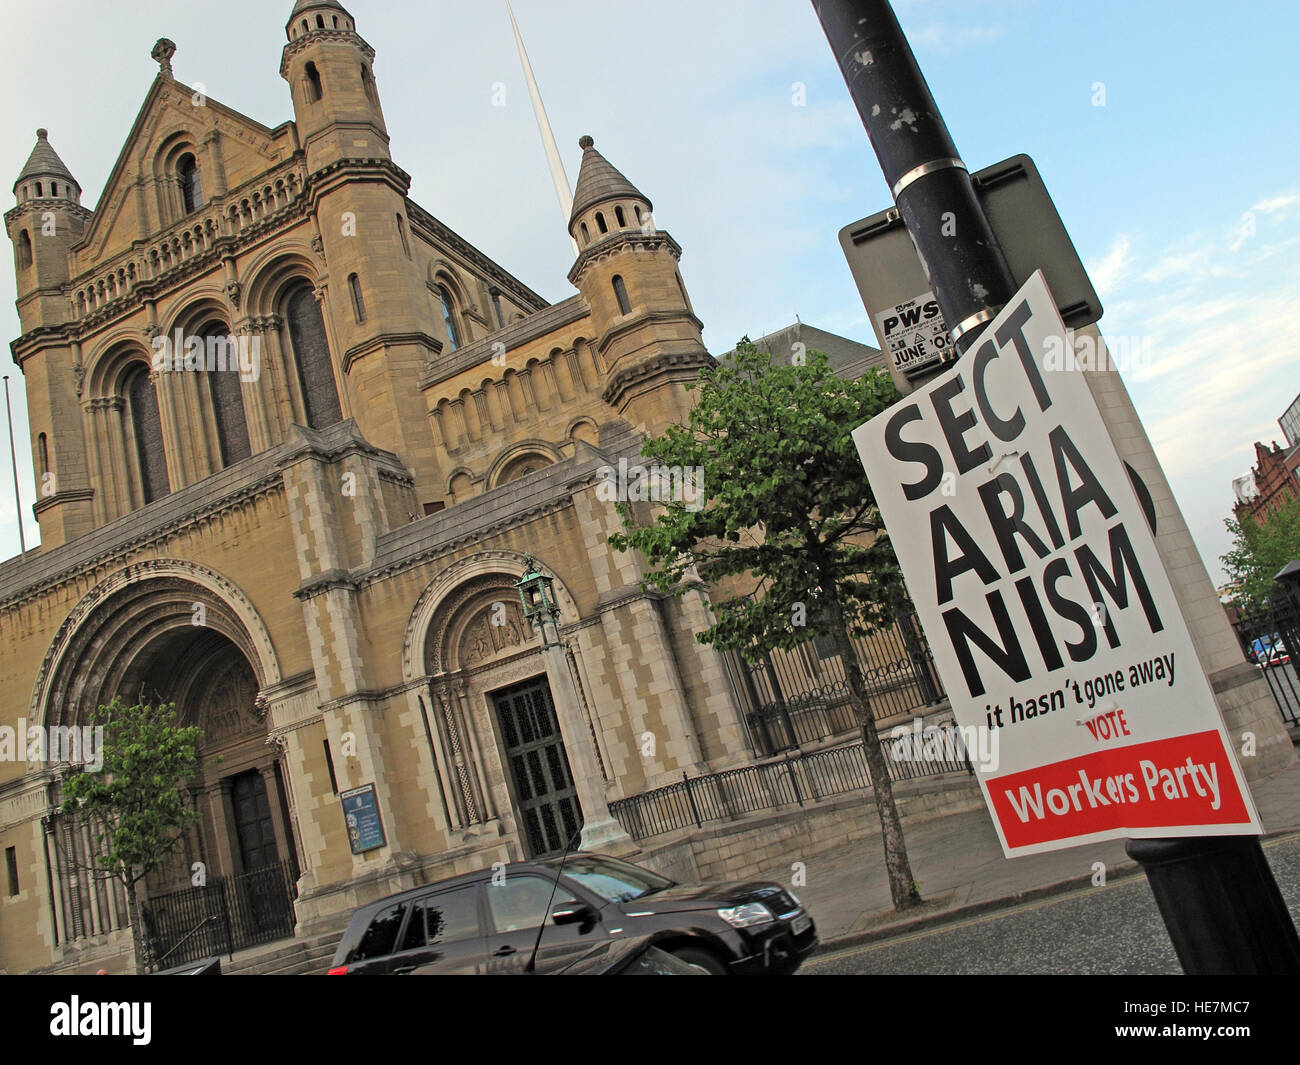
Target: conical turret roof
x,y
44,162
598,180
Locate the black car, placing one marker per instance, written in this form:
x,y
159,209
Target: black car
x,y
546,916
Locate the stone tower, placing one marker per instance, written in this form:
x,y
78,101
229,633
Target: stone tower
x,y
377,303
627,272
48,220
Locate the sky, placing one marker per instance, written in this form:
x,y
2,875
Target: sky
x,y
1164,131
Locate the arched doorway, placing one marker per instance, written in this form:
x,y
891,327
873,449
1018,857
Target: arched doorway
x,y
147,635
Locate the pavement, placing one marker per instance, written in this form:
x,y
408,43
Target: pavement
x,y
958,865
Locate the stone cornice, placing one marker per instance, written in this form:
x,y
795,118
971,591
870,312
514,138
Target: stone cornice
x,y
632,324
620,241
49,203
325,582
380,340
71,495
321,36
621,381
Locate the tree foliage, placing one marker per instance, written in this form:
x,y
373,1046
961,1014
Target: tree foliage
x,y
788,505
134,805
1260,550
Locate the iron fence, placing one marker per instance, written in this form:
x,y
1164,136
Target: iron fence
x,y
800,696
800,780
1270,638
224,915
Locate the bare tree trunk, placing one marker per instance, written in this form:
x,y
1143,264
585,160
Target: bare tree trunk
x,y
902,887
139,938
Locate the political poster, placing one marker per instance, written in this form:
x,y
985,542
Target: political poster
x,y
1049,613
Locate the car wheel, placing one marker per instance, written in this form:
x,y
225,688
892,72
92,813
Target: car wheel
x,y
703,957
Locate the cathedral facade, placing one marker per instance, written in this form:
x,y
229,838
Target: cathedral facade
x,y
294,439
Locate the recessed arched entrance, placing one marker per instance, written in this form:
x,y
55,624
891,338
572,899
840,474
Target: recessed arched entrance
x,y
149,635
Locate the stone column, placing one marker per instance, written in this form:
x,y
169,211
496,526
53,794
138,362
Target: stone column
x,y
223,820
600,832
274,800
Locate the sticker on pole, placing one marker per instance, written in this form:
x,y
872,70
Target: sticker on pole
x,y
1051,618
913,333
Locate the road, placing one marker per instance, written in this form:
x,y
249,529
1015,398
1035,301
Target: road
x,y
1096,931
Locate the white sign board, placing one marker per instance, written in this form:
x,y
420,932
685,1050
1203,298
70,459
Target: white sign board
x,y
1050,616
913,333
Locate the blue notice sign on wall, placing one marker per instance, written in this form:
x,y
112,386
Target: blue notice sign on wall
x,y
361,814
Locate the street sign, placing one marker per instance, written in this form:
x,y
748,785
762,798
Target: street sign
x,y
1051,618
889,274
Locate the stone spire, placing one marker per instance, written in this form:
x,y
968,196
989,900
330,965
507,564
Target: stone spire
x,y
599,181
43,165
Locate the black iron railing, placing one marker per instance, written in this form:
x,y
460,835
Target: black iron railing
x,y
1270,639
788,781
224,915
801,696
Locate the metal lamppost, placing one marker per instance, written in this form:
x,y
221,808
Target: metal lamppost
x,y
599,829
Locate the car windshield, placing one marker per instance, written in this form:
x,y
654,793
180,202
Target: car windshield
x,y
613,880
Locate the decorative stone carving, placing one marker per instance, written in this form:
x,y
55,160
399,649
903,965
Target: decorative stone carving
x,y
232,292
162,53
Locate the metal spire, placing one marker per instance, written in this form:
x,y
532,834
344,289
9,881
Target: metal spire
x,y
558,175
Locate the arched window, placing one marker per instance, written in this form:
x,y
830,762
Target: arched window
x,y
586,237
39,193
600,222
311,351
142,403
320,22
187,171
637,209
449,317
358,304
43,454
54,188
618,217
401,232
620,291
222,367
336,22
315,89
305,27
24,250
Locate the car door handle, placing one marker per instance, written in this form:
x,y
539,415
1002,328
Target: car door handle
x,y
403,969
502,952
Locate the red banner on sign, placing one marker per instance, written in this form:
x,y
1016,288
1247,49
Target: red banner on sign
x,y
1183,780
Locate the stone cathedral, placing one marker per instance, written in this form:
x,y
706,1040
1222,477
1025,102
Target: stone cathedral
x,y
293,438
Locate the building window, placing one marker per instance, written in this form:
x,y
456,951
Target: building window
x,y
24,250
620,290
142,402
449,317
320,22
39,193
495,293
191,189
43,454
315,89
586,237
227,396
311,352
358,304
600,222
329,763
54,188
434,507
619,218
11,864
401,232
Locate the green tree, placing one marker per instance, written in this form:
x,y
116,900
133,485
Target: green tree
x,y
786,504
1259,550
134,805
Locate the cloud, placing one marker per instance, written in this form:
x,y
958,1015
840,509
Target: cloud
x,y
1108,271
